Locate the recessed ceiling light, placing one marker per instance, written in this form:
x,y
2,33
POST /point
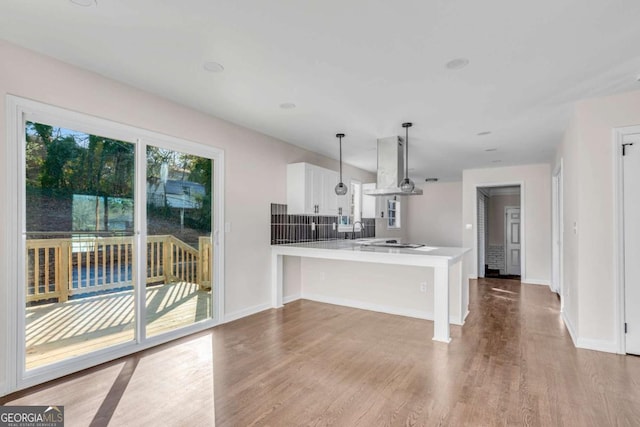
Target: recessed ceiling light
x,y
84,3
486,132
496,161
213,67
287,105
431,180
457,64
491,149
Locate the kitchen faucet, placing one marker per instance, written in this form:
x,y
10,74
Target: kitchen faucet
x,y
353,232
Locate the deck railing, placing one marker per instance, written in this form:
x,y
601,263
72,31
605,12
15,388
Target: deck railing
x,y
60,268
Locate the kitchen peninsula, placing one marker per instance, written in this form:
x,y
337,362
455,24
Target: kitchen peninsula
x,y
441,265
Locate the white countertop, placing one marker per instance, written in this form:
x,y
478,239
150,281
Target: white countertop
x,y
358,250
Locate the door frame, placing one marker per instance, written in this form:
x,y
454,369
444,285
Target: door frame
x,y
506,253
13,376
619,135
557,232
482,255
521,184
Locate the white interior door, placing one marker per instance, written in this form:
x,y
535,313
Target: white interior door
x,y
512,235
631,195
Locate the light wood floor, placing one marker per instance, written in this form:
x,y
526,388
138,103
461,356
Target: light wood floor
x,y
315,364
60,330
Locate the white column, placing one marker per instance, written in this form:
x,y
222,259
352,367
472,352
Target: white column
x,y
441,303
276,279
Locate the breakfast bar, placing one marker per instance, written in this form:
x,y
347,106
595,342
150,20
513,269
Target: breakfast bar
x,y
440,259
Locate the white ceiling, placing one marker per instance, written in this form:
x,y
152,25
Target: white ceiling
x,y
361,67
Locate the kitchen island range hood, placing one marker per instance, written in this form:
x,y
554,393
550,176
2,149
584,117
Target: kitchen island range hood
x,y
391,169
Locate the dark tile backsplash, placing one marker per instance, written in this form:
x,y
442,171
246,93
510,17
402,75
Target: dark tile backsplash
x,y
297,228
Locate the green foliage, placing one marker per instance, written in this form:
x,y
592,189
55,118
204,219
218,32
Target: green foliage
x,y
64,161
57,169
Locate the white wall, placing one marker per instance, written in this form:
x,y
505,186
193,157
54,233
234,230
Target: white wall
x,y
588,157
255,163
569,152
435,218
536,191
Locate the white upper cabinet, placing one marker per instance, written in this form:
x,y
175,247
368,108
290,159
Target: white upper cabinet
x,y
311,190
371,205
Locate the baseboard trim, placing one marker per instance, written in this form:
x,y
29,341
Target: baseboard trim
x,y
291,298
597,345
586,343
398,311
472,277
230,317
530,281
569,326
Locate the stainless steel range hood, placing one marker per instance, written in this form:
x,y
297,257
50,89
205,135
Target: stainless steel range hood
x,y
391,169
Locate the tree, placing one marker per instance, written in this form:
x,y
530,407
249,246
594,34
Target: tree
x,y
56,172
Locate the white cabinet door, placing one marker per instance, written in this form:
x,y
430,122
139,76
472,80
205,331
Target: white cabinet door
x,y
329,200
318,188
311,190
368,202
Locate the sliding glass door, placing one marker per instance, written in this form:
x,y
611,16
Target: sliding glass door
x,y
114,240
79,281
178,235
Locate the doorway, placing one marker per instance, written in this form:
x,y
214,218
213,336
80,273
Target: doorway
x,y
499,231
630,174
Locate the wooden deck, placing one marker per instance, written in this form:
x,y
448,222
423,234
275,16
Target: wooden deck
x,y
58,331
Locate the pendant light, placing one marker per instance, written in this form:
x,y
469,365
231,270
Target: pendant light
x,y
341,189
406,185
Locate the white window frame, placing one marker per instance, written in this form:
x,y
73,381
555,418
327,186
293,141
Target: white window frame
x,y
397,208
355,208
20,110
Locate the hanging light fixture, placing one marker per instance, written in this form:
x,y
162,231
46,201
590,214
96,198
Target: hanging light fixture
x,y
341,189
406,185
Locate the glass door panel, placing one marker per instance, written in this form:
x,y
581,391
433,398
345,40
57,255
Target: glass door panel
x,y
179,251
79,243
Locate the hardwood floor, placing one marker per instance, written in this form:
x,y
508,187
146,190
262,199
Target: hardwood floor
x,y
315,364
